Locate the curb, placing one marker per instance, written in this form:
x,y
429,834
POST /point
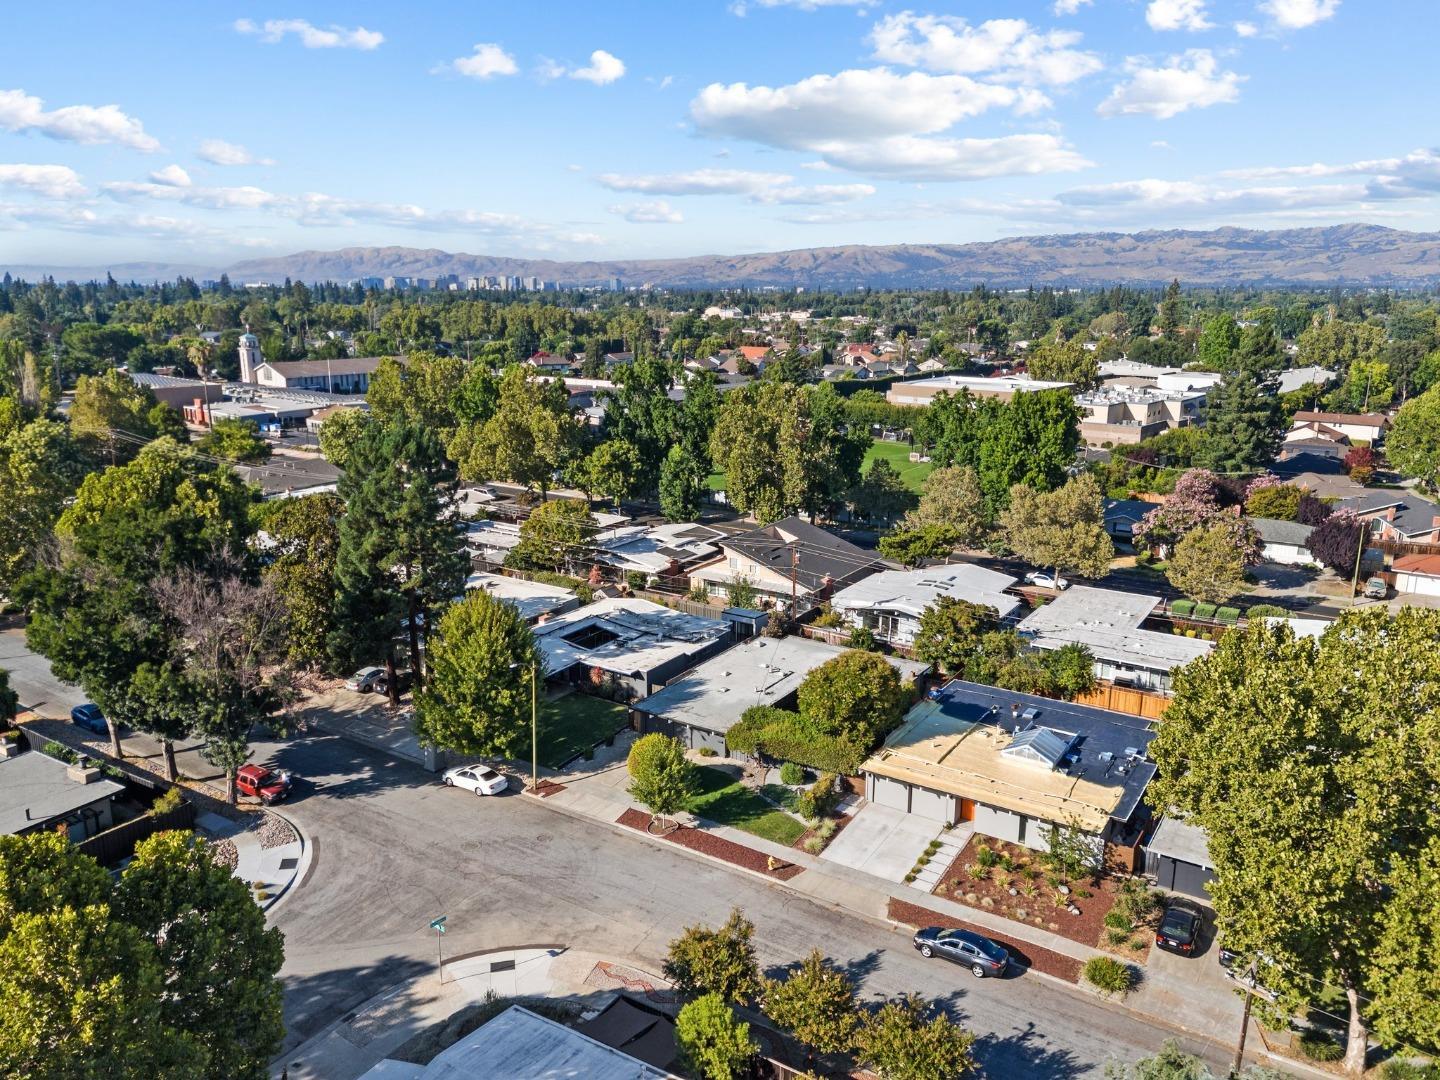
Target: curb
x,y
302,871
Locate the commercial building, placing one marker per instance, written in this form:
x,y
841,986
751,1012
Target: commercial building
x,y
701,707
1108,623
1014,766
1123,416
889,604
1005,387
177,392
642,645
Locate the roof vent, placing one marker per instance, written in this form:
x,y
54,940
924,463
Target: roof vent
x,y
1030,714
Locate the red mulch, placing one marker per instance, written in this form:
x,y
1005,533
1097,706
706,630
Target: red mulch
x,y
710,844
840,822
546,788
1030,956
1088,928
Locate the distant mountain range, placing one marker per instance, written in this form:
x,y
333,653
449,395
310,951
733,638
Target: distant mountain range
x,y
1342,254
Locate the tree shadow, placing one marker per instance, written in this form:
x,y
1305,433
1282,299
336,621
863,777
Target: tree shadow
x,y
337,768
857,970
313,1002
1027,1053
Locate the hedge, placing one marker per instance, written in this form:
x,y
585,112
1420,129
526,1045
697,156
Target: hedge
x,y
1227,615
1183,607
1263,611
1204,611
580,588
785,736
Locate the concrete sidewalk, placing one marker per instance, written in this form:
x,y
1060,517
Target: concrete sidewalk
x,y
270,869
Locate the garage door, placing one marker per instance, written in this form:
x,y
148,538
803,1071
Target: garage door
x,y
891,793
1423,584
1183,877
932,806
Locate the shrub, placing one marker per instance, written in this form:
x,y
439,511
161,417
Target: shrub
x,y
708,751
1083,894
1407,1070
1003,880
1265,611
781,734
976,872
1183,607
1117,937
1108,975
792,774
1118,920
819,799
636,579
828,618
1317,1046
698,594
826,829
1007,863
986,855
170,800
59,751
814,844
1190,632
1227,615
1205,611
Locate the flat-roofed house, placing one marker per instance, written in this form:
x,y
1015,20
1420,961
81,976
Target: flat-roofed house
x,y
889,604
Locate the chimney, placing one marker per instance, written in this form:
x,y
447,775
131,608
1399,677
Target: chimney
x,y
82,774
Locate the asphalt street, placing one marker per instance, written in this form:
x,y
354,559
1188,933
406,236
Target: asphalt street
x,y
394,848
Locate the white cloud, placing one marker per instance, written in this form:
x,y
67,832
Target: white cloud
x,y
1177,15
658,212
1413,175
220,152
905,157
172,175
1298,14
602,69
1070,7
1192,80
1246,29
1009,50
1170,196
311,36
758,187
1160,144
53,181
486,62
739,7
88,124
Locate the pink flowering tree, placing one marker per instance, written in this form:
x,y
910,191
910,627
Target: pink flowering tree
x,y
1196,500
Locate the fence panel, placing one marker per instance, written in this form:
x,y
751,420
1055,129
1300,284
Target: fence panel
x,y
1124,699
112,845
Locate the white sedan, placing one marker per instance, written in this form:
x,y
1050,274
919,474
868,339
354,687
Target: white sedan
x,y
1045,580
481,779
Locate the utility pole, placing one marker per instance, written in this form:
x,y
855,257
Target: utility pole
x,y
534,729
1359,554
1239,1062
794,585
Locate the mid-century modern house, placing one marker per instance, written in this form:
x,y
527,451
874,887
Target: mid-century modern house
x,y
39,793
891,602
534,600
788,555
1013,766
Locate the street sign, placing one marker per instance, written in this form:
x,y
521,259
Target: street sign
x,y
438,925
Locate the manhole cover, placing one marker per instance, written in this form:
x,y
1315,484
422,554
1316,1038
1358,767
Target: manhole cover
x,y
542,838
502,965
289,864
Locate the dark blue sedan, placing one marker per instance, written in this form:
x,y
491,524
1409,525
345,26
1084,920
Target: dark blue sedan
x,y
89,717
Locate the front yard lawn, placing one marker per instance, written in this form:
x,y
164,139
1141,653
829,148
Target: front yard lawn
x,y
726,801
574,723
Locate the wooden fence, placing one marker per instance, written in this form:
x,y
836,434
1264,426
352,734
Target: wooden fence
x,y
1123,699
113,845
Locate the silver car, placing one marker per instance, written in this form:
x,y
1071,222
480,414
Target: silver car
x,y
367,680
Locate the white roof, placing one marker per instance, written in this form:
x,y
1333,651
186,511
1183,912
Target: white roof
x,y
1177,840
531,598
912,591
521,1045
653,549
761,671
984,383
1300,627
481,536
641,636
1297,378
1108,624
41,785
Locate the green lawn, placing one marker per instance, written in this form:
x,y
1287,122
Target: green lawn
x,y
726,801
715,481
898,455
574,723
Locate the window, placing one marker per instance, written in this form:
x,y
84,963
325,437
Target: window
x,y
1020,833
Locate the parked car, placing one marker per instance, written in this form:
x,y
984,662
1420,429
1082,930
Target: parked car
x,y
1376,589
367,680
981,955
1179,930
1043,579
481,779
89,717
268,785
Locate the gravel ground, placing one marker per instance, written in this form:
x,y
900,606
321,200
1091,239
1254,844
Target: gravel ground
x,y
274,832
224,853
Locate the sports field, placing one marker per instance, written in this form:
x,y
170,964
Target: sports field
x,y
898,454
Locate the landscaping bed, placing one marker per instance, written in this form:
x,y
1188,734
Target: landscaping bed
x,y
710,844
1023,953
725,800
1025,869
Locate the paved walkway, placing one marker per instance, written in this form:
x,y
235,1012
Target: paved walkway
x,y
269,871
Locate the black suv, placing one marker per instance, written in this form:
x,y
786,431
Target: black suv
x,y
1179,928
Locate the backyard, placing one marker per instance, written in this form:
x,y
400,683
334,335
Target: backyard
x,y
898,455
572,724
724,800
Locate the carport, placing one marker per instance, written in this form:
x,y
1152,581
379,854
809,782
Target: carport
x,y
1179,858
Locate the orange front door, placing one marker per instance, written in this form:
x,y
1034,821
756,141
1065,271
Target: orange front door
x,y
967,809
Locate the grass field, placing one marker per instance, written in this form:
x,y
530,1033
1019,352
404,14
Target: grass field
x,y
574,723
898,454
726,801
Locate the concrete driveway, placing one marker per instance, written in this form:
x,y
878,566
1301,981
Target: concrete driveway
x,y
882,841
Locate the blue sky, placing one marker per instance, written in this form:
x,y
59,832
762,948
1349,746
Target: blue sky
x,y
197,132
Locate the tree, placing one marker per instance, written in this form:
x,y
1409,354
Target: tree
x,y
1064,361
682,485
816,1004
164,421
720,962
952,498
109,411
44,871
1218,342
1208,564
642,416
1073,669
40,468
557,533
340,431
1030,441
911,547
530,436
661,778
1413,444
234,440
857,696
218,960
1173,1063
950,631
1290,754
1268,498
477,699
612,470
1244,422
401,553
902,1041
1360,462
1063,529
1336,542
1194,502
9,699
713,1043
881,494
305,533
